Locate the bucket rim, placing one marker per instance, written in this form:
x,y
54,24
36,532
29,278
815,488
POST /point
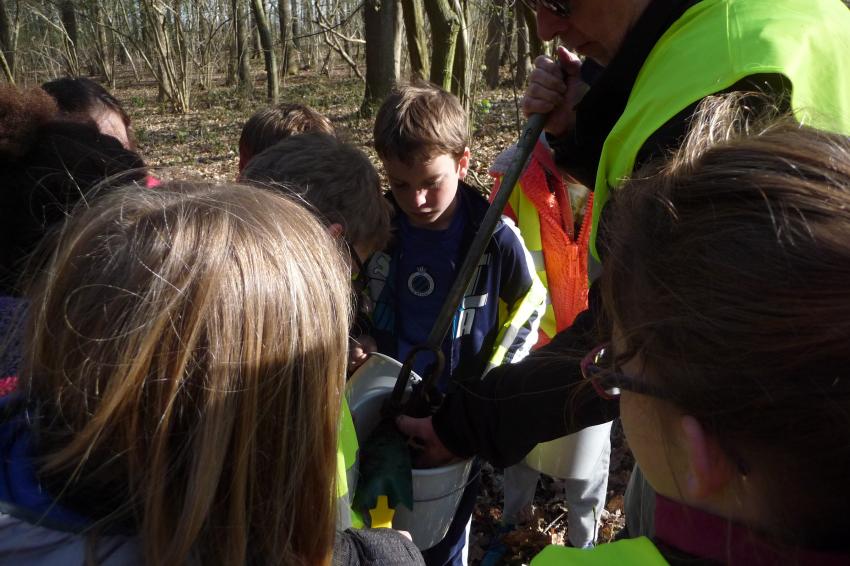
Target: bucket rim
x,y
441,469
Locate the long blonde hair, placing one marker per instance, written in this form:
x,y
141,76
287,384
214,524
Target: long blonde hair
x,y
186,352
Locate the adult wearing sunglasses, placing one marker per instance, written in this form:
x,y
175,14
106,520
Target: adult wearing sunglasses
x,y
647,65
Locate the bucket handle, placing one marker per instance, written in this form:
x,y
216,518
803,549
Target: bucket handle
x,y
435,371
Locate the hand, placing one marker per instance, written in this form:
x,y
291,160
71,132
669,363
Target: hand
x,y
359,349
432,452
554,88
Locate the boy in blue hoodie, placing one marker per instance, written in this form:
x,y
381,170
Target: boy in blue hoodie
x,y
421,136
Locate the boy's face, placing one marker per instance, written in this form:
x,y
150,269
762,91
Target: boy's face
x,y
425,191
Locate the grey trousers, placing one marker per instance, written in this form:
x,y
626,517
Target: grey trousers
x,y
584,498
639,506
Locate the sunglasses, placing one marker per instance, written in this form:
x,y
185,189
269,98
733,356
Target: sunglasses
x,y
560,8
599,368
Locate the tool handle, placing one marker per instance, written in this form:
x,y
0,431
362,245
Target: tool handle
x,y
436,369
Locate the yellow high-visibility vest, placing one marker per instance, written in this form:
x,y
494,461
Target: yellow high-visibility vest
x,y
716,44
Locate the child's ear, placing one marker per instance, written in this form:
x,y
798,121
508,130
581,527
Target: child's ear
x,y
463,164
709,468
335,230
244,157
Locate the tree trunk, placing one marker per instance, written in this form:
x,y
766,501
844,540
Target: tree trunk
x,y
296,23
230,69
288,65
243,60
493,51
382,27
536,45
68,15
103,56
6,43
265,34
313,46
257,48
417,43
16,34
523,55
460,67
170,60
507,39
445,25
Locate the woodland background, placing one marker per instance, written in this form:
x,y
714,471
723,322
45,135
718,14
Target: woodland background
x,y
190,72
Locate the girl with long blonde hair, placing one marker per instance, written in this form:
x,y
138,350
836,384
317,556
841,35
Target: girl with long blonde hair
x,y
181,382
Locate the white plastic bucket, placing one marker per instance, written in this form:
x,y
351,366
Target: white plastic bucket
x,y
436,491
570,457
436,495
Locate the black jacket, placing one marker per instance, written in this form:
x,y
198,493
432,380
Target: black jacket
x,y
502,417
375,547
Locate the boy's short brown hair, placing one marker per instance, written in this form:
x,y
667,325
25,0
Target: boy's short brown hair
x,y
335,178
420,120
270,125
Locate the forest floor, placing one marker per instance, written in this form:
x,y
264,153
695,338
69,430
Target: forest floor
x,y
203,144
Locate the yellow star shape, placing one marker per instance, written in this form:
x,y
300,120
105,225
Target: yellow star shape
x,y
382,514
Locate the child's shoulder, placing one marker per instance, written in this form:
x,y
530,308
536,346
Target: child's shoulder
x,y
472,199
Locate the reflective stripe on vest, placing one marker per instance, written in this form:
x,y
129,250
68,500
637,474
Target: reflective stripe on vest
x,y
529,225
523,313
717,43
630,552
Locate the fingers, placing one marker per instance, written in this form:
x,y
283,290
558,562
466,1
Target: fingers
x,y
569,62
410,426
359,349
356,357
547,87
368,344
432,452
548,75
554,88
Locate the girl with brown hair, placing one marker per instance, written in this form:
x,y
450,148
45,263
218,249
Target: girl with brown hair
x,y
47,165
726,286
181,383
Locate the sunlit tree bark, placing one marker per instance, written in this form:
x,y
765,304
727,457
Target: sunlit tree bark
x,y
382,24
265,33
417,43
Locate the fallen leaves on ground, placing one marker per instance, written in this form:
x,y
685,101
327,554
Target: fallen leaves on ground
x,y
547,522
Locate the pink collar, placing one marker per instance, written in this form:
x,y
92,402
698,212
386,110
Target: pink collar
x,y
704,535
